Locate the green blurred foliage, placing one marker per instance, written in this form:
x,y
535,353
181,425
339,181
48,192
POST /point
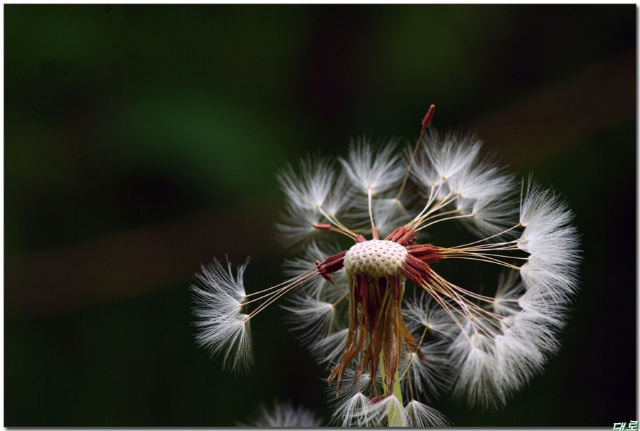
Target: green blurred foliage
x,y
120,117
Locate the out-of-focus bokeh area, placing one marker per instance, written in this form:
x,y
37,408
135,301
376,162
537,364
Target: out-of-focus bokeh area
x,y
142,141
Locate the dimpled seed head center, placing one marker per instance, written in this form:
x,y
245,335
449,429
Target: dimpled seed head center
x,y
375,258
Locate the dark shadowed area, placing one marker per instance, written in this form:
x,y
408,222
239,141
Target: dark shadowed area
x,y
142,141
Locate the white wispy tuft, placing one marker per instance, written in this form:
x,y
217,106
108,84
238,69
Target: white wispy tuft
x,y
450,165
310,188
352,403
313,317
527,335
353,410
478,377
223,328
297,228
488,216
284,415
510,289
317,310
316,287
422,416
389,411
364,384
442,158
485,181
379,170
328,348
424,313
313,192
431,376
315,186
426,319
497,354
552,243
358,410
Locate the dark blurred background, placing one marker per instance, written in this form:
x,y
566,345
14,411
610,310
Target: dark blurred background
x,y
141,141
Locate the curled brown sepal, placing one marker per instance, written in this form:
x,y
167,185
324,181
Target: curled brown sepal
x,y
403,236
416,270
427,253
330,265
359,238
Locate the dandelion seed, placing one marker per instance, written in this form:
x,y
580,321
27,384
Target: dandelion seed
x,y
421,416
284,415
224,328
353,410
350,304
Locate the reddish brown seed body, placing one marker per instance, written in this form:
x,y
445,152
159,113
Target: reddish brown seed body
x,y
428,117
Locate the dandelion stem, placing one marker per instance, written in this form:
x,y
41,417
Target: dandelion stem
x,y
394,417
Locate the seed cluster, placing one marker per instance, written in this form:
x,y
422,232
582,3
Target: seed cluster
x,y
375,258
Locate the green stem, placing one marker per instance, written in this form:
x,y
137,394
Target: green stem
x,y
393,416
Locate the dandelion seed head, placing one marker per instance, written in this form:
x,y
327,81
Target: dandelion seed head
x,y
349,302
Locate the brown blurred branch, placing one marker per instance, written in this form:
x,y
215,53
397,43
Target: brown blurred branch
x,y
134,262
557,119
131,263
